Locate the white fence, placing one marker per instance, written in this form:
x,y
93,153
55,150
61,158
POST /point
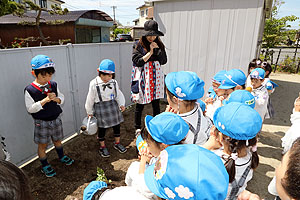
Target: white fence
x,y
76,65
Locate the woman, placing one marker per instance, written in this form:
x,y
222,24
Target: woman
x,y
147,80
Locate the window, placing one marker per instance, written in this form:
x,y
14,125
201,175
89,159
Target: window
x,y
146,12
43,3
142,13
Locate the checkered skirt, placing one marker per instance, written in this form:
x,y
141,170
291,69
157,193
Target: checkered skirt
x,y
44,131
108,113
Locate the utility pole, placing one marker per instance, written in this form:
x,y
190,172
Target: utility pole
x,y
114,13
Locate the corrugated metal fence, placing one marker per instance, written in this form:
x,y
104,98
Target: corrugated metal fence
x,y
75,66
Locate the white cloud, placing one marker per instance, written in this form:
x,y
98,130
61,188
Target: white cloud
x,y
169,193
184,192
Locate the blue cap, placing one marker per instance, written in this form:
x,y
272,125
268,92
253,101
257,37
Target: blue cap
x,y
107,66
185,85
92,188
187,171
140,143
257,73
211,92
238,121
167,127
233,78
219,76
202,105
270,85
41,62
241,96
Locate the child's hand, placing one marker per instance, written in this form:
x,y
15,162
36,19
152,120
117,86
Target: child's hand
x,y
209,100
122,108
145,155
170,109
246,195
52,95
213,142
221,98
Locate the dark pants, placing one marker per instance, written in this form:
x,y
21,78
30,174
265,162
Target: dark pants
x,y
139,111
102,131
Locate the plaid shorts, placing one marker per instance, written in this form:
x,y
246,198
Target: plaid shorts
x,y
44,131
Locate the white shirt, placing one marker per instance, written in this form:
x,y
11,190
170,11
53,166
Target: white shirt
x,y
211,108
34,107
92,96
192,118
240,166
124,193
293,133
261,100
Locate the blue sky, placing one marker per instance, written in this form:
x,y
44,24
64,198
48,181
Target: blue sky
x,y
125,12
291,7
126,9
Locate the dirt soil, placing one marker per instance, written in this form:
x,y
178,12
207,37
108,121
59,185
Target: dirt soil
x,y
70,181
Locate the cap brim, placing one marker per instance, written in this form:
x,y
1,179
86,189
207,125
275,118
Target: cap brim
x,y
153,33
148,118
151,183
223,87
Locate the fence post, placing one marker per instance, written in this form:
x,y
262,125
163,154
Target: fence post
x,y
277,60
297,70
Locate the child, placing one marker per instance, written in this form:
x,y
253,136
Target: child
x,y
161,131
252,65
105,100
236,127
42,97
183,90
234,79
259,91
241,96
187,172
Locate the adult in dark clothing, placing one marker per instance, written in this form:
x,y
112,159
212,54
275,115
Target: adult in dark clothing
x,y
147,80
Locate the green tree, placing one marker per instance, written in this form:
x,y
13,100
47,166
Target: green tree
x,y
276,29
9,7
55,10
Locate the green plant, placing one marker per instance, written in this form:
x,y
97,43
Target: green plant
x,y
288,65
101,176
18,43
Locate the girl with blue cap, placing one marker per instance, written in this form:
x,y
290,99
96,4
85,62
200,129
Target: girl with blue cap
x,y
161,131
105,100
183,90
234,136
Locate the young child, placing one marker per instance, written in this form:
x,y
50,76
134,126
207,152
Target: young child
x,y
42,99
234,79
236,127
105,100
187,172
161,131
241,96
259,91
183,90
252,65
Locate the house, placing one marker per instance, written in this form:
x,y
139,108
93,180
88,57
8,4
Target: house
x,y
85,26
44,3
145,13
206,36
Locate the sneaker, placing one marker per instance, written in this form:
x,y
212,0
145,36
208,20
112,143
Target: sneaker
x,y
104,152
48,171
137,132
120,148
67,160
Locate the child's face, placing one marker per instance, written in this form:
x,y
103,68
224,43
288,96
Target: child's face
x,y
153,148
106,78
256,83
43,79
151,38
280,172
219,92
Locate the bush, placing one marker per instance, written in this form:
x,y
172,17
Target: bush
x,y
288,65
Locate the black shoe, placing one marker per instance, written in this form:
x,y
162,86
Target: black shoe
x,y
120,148
104,152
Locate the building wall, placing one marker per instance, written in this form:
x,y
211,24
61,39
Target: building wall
x,y
206,36
8,33
75,66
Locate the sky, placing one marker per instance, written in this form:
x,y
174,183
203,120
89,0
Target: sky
x,y
291,7
125,12
126,9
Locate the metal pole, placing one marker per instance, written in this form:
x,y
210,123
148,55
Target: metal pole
x,y
277,60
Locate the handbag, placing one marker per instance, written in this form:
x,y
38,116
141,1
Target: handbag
x,y
89,126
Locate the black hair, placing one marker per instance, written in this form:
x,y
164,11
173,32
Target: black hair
x,y
290,181
146,44
267,67
186,102
44,71
14,184
253,64
103,73
235,146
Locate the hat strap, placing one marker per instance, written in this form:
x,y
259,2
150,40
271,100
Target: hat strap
x,y
231,79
